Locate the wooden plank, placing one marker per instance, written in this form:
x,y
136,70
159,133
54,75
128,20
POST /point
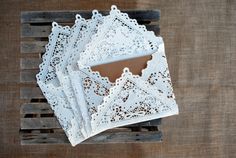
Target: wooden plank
x,y
30,63
155,122
52,122
36,108
28,76
35,31
44,31
39,123
69,16
33,46
105,137
30,93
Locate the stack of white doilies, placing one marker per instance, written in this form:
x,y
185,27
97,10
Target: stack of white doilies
x,y
86,103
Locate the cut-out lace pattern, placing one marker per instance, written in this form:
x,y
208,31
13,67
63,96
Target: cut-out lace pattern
x,y
80,35
50,86
89,88
130,101
119,37
57,99
86,103
54,50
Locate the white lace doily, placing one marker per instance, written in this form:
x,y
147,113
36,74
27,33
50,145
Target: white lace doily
x,y
130,101
80,35
84,102
50,86
118,38
90,89
54,50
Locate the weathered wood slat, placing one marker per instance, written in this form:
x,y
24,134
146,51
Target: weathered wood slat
x,y
35,31
105,137
147,123
28,76
36,108
28,30
52,122
33,46
39,123
69,16
30,93
30,63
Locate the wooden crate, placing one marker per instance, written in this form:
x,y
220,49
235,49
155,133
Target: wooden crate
x,y
38,123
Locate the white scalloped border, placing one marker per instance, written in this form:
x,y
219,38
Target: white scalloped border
x,y
74,32
95,75
150,65
116,13
56,29
116,89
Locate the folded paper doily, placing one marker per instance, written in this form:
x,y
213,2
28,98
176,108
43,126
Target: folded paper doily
x,y
87,103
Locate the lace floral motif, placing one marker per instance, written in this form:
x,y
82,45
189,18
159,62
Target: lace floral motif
x,y
90,89
50,86
54,49
57,99
158,74
130,101
119,37
80,35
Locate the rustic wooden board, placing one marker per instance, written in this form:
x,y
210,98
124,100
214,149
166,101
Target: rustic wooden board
x,y
105,137
38,123
69,16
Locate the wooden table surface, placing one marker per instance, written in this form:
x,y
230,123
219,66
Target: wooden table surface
x,y
200,40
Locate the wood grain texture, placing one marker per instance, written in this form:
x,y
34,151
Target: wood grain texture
x,y
200,39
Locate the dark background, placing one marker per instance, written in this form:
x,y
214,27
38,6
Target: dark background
x,y
200,40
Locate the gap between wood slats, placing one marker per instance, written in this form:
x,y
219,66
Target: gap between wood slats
x,y
105,137
44,31
68,16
